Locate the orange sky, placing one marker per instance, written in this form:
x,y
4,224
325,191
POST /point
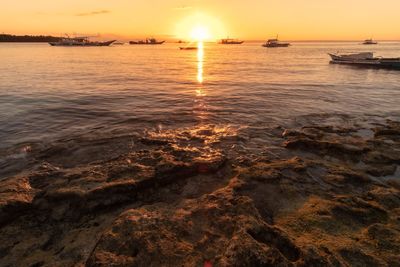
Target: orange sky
x,y
246,19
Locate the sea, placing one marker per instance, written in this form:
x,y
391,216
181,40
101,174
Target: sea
x,y
98,101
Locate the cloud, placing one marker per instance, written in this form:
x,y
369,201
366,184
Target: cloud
x,y
93,13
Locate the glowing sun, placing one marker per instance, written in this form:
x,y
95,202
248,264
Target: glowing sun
x,y
200,27
200,33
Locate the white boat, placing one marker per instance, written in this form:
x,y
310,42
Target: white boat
x,y
370,42
352,57
365,59
275,43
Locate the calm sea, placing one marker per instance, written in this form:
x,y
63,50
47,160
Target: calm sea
x,y
48,94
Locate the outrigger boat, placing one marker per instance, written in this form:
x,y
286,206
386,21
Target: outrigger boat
x,y
275,43
231,41
148,41
365,59
370,42
79,41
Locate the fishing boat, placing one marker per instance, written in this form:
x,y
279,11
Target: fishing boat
x,y
79,41
231,41
370,42
352,57
148,41
365,59
189,48
275,43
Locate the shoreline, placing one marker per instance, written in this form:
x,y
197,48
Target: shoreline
x,y
314,194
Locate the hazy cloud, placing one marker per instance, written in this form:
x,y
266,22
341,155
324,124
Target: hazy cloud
x,y
99,12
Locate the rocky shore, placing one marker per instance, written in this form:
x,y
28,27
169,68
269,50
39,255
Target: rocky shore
x,y
314,195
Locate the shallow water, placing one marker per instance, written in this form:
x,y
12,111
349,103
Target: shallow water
x,y
63,93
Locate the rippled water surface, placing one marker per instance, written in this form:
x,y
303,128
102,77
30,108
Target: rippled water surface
x,y
48,93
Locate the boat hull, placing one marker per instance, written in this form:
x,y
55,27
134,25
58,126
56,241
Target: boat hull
x,y
188,48
144,43
392,63
82,44
275,45
352,57
232,43
370,63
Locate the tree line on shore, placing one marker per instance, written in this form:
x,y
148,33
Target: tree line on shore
x,y
27,38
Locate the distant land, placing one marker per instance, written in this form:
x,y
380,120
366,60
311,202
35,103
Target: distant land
x,y
27,38
48,38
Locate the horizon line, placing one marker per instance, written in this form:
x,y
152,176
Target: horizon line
x,y
170,38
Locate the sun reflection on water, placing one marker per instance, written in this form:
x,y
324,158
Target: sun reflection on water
x,y
201,107
200,59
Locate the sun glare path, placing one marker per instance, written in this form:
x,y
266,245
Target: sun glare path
x,y
201,106
200,59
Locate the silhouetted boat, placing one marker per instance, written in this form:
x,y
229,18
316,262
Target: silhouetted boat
x,y
189,48
275,43
231,41
365,59
118,43
148,41
79,41
370,42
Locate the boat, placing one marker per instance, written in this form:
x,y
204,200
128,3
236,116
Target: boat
x,y
188,48
390,63
148,41
118,43
370,42
231,41
275,43
352,57
79,41
365,59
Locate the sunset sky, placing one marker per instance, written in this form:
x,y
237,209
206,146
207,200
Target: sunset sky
x,y
246,19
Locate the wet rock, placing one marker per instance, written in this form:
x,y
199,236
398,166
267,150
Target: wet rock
x,y
356,257
335,148
16,197
381,170
154,142
355,210
218,228
350,176
384,238
207,195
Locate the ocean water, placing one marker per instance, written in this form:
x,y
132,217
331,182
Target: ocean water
x,y
69,94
